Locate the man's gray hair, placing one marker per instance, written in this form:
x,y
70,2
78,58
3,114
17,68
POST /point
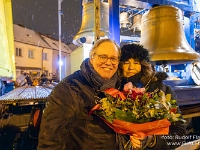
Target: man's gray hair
x,y
97,43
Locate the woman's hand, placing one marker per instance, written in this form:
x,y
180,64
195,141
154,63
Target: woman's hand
x,y
140,143
137,143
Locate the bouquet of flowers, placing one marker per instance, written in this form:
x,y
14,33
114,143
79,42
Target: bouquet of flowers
x,y
136,111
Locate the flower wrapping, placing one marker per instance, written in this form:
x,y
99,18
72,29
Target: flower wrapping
x,y
135,111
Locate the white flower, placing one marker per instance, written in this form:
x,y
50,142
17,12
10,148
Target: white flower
x,y
163,100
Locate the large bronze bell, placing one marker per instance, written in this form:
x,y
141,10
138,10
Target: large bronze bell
x,y
137,22
163,35
86,32
124,21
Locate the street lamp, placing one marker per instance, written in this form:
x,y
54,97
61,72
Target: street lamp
x,y
59,35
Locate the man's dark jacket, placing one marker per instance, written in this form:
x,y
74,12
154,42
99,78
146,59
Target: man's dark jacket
x,y
66,124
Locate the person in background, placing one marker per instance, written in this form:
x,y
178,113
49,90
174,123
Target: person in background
x,y
2,87
43,74
29,79
43,79
65,123
135,67
21,79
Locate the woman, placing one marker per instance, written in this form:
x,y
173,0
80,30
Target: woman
x,y
136,68
65,123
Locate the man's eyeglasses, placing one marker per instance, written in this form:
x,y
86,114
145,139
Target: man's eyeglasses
x,y
104,58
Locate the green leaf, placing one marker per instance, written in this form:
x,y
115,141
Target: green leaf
x,y
147,114
122,115
151,112
160,93
155,96
168,97
143,120
153,101
173,102
109,118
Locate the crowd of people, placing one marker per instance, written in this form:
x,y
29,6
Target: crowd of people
x,y
26,79
65,121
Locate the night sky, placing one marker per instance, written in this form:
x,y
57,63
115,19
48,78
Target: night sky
x,y
42,16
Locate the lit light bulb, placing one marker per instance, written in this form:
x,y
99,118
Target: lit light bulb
x,y
60,63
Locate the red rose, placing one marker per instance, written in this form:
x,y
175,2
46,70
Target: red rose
x,y
134,95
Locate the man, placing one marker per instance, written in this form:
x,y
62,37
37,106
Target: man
x,y
29,79
66,124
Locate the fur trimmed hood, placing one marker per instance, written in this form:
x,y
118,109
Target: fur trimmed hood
x,y
134,51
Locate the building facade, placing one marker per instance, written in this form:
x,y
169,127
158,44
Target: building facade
x,y
36,53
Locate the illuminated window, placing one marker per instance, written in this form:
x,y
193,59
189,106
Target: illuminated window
x,y
18,52
44,56
30,54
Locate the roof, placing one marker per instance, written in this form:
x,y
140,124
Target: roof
x,y
27,36
55,44
72,46
26,94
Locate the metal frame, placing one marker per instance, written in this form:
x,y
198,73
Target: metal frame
x,y
188,6
114,25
